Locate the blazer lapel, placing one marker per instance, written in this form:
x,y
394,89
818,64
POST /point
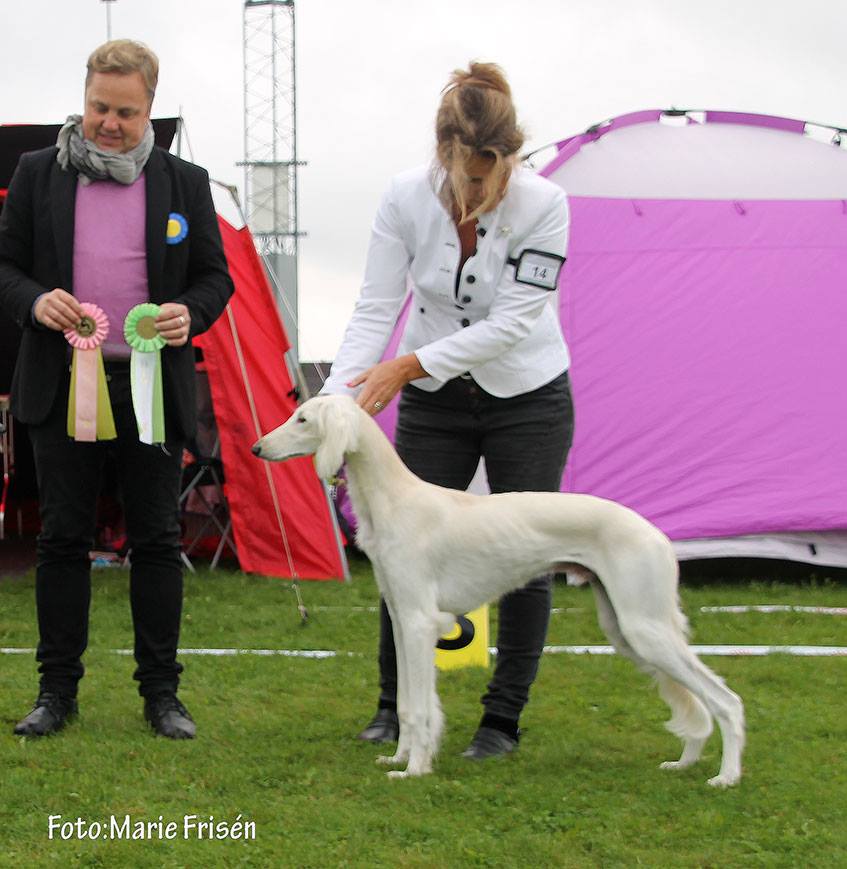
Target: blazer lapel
x,y
62,204
157,184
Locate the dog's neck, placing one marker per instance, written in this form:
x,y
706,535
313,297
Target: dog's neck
x,y
370,467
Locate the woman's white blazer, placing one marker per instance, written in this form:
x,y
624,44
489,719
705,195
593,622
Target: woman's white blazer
x,y
498,322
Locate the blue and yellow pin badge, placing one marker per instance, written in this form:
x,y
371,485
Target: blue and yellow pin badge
x,y
177,228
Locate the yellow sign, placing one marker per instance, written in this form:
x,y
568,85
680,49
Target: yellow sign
x,y
467,644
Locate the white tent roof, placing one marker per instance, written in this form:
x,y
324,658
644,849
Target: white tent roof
x,y
690,157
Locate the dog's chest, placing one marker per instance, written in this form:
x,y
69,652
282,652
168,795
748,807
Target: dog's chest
x,y
366,539
371,540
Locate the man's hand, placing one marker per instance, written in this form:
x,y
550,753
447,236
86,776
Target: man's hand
x,y
174,323
57,310
384,380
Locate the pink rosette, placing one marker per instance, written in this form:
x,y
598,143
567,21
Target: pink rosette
x,y
91,331
89,411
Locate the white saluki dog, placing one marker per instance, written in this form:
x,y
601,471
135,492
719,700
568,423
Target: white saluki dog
x,y
438,552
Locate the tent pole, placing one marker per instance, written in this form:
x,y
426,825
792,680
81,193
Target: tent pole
x,y
291,359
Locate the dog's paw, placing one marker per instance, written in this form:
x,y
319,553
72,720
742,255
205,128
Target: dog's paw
x,y
408,773
391,760
724,781
676,764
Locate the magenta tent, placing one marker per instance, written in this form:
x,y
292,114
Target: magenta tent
x,y
704,303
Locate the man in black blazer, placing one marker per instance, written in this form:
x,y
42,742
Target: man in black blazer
x,y
106,206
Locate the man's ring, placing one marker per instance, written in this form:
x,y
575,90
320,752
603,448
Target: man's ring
x,y
181,320
378,405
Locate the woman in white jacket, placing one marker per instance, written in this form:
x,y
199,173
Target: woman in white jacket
x,y
482,363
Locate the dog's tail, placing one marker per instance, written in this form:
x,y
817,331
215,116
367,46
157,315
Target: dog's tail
x,y
689,717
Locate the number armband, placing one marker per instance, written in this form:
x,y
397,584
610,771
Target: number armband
x,y
538,268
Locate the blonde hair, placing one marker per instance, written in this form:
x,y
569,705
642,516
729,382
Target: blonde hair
x,y
476,118
125,56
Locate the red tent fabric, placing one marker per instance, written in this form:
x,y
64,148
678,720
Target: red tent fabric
x,y
280,514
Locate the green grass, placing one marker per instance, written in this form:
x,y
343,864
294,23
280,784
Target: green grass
x,y
275,744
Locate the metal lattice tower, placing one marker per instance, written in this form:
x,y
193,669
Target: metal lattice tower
x,y
270,144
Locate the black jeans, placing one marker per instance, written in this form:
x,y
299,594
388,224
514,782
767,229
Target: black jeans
x,y
524,441
69,475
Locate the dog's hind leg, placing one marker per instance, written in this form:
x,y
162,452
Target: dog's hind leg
x,y
664,648
608,621
690,720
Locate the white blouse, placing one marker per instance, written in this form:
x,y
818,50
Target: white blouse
x,y
500,325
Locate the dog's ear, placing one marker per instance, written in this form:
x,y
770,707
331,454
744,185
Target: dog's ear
x,y
339,430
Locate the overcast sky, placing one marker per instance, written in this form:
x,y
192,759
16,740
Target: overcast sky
x,y
369,75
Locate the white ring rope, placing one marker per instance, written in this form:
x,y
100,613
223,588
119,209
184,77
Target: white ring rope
x,y
777,608
321,654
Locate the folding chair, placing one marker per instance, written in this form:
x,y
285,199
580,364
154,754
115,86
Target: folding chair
x,y
203,503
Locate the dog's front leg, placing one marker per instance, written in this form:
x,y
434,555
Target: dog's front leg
x,y
416,690
401,755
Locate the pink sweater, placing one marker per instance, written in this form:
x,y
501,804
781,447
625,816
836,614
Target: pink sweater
x,y
110,253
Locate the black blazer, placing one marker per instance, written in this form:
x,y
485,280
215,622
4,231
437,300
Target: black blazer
x,y
36,255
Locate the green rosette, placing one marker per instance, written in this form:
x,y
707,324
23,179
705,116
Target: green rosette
x,y
140,329
146,372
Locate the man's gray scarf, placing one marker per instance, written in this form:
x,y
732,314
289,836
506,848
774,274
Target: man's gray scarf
x,y
96,165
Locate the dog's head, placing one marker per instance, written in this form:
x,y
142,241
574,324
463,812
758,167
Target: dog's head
x,y
326,426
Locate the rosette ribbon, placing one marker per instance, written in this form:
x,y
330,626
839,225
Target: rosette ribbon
x,y
89,410
145,368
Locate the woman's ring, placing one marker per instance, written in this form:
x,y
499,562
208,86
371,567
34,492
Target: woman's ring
x,y
379,405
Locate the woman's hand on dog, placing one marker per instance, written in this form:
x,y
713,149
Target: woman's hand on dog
x,y
381,382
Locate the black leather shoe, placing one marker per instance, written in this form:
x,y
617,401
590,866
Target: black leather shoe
x,y
384,727
49,715
488,742
168,717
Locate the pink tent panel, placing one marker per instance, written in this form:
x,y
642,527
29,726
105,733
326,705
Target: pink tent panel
x,y
706,339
